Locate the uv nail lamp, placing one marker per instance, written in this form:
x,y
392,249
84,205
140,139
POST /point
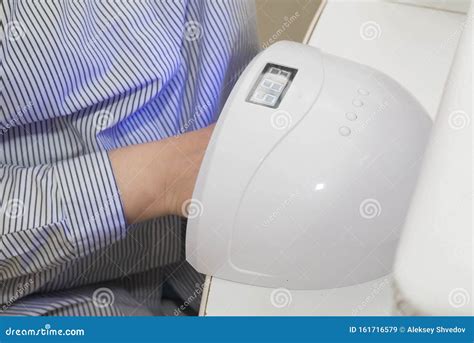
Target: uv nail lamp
x,y
308,175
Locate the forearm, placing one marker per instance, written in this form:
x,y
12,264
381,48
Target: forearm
x,y
155,179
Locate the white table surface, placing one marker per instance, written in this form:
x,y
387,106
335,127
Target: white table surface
x,y
415,46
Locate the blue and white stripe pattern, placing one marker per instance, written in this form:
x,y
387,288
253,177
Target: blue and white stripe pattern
x,y
81,77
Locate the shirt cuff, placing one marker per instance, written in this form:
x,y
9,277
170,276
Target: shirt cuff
x,y
91,202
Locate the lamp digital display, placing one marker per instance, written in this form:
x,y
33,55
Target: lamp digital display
x,y
271,86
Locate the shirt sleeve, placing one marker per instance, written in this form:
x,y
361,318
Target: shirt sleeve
x,y
51,214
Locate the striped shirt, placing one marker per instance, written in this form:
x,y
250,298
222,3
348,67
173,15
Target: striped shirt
x,y
79,78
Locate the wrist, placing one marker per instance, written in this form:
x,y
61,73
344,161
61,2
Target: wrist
x,y
187,154
157,178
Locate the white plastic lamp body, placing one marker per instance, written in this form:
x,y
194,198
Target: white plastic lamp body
x,y
308,174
